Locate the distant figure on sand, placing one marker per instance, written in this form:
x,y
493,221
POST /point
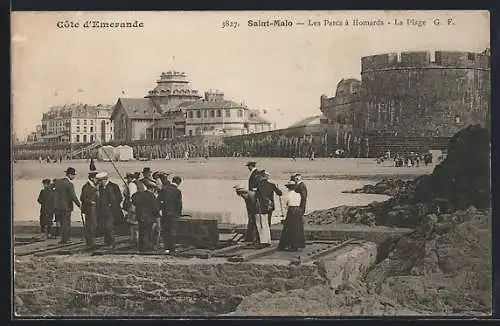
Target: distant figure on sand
x,y
92,165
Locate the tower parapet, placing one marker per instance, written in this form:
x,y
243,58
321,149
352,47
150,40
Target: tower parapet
x,y
426,60
424,93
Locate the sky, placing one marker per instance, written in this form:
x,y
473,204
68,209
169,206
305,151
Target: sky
x,y
283,70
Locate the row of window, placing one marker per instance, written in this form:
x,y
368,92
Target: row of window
x,y
213,113
85,139
91,129
91,122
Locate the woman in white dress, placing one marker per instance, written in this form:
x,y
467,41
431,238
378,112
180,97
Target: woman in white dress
x,y
292,235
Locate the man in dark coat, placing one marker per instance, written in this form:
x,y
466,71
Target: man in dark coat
x,y
253,180
65,196
146,176
89,198
46,201
147,211
266,191
109,211
171,206
302,190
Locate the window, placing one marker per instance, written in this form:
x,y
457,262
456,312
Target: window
x,y
190,114
91,122
84,122
84,138
471,56
84,129
77,128
198,113
212,113
91,138
77,138
205,114
190,132
91,129
240,113
77,121
228,113
219,113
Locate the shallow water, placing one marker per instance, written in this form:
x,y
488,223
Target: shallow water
x,y
211,196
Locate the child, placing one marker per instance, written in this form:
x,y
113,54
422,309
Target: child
x,y
46,201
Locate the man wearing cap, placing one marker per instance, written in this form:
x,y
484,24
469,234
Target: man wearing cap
x,y
171,200
65,196
147,212
249,198
109,210
129,207
265,191
146,175
89,198
253,180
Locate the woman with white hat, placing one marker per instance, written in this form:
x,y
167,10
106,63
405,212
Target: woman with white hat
x,y
292,235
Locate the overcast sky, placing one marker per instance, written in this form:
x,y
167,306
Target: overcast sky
x,y
281,70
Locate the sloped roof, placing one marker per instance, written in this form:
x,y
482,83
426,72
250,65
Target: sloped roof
x,y
218,104
254,117
308,121
136,108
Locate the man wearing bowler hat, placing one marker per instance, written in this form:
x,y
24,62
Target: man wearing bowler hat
x,y
253,180
65,196
89,198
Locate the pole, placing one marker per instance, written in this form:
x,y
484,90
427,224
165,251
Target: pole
x,y
281,206
116,169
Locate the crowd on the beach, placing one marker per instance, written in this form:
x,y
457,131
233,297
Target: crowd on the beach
x,y
150,204
411,159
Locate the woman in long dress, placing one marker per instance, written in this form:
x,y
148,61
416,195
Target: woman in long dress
x,y
292,236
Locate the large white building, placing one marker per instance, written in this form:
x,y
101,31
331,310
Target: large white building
x,y
174,109
214,115
78,123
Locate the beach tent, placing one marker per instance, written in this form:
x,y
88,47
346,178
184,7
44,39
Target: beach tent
x,y
124,153
106,153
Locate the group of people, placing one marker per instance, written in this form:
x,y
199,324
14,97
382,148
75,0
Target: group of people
x,y
260,205
153,204
149,202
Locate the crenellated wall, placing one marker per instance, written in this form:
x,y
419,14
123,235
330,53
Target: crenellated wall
x,y
415,94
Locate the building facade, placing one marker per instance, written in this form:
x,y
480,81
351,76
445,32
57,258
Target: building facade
x,y
77,123
174,109
216,116
417,94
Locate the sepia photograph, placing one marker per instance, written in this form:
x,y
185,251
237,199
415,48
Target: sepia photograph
x,y
241,164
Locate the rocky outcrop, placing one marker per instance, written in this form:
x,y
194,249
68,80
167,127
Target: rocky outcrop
x,y
460,181
442,268
388,186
